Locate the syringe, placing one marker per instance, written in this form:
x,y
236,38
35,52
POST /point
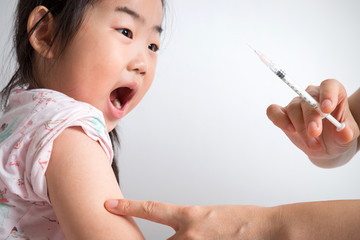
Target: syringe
x,y
303,94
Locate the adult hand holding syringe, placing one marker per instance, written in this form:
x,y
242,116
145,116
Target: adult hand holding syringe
x,y
326,145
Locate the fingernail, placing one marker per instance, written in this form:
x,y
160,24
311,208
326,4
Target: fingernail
x,y
326,104
111,204
313,143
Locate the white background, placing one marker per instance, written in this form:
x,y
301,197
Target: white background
x,y
201,135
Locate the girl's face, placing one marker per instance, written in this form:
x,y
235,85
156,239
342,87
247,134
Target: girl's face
x,y
111,61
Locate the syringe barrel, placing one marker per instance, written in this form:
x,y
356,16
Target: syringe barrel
x,y
302,93
306,97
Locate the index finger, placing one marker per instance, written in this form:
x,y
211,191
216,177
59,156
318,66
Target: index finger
x,y
163,213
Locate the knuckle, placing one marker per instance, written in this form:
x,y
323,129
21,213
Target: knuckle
x,y
125,206
332,84
196,214
311,87
191,212
313,91
294,105
148,207
329,81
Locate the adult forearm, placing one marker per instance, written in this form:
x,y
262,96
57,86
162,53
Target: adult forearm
x,y
331,220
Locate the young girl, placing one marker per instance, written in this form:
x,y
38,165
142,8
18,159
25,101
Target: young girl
x,y
82,66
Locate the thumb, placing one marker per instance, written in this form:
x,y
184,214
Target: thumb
x,y
163,213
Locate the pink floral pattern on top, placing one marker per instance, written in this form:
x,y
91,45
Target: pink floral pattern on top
x,y
28,127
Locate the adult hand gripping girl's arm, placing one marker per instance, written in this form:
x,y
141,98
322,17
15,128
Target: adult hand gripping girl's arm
x,y
332,220
325,147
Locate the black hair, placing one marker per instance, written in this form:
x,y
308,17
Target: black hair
x,y
69,15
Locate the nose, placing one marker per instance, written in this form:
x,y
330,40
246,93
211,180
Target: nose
x,y
138,63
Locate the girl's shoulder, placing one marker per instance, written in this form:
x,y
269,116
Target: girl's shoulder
x,y
44,97
44,114
46,105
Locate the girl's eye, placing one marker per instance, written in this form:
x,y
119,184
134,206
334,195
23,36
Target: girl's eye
x,y
153,47
126,32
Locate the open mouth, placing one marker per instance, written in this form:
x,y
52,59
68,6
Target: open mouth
x,y
120,96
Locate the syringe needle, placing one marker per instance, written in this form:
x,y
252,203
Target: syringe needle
x,y
264,59
303,94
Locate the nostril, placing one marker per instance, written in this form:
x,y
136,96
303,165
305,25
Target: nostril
x,y
140,71
138,65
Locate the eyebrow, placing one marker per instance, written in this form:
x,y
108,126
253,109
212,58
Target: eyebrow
x,y
137,17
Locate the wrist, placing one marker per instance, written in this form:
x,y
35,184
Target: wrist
x,y
277,221
267,223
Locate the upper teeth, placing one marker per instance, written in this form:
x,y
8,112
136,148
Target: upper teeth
x,y
117,103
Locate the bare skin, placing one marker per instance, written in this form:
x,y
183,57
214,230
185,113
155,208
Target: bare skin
x,y
318,138
114,48
331,220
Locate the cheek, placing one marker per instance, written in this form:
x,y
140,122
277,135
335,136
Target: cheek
x,y
97,53
100,66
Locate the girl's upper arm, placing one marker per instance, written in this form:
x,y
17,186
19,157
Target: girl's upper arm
x,y
80,179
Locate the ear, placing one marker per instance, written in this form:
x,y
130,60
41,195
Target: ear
x,y
42,36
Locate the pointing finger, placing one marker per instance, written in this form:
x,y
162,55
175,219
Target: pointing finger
x,y
163,213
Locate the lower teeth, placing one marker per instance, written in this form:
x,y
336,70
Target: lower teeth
x,y
117,103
